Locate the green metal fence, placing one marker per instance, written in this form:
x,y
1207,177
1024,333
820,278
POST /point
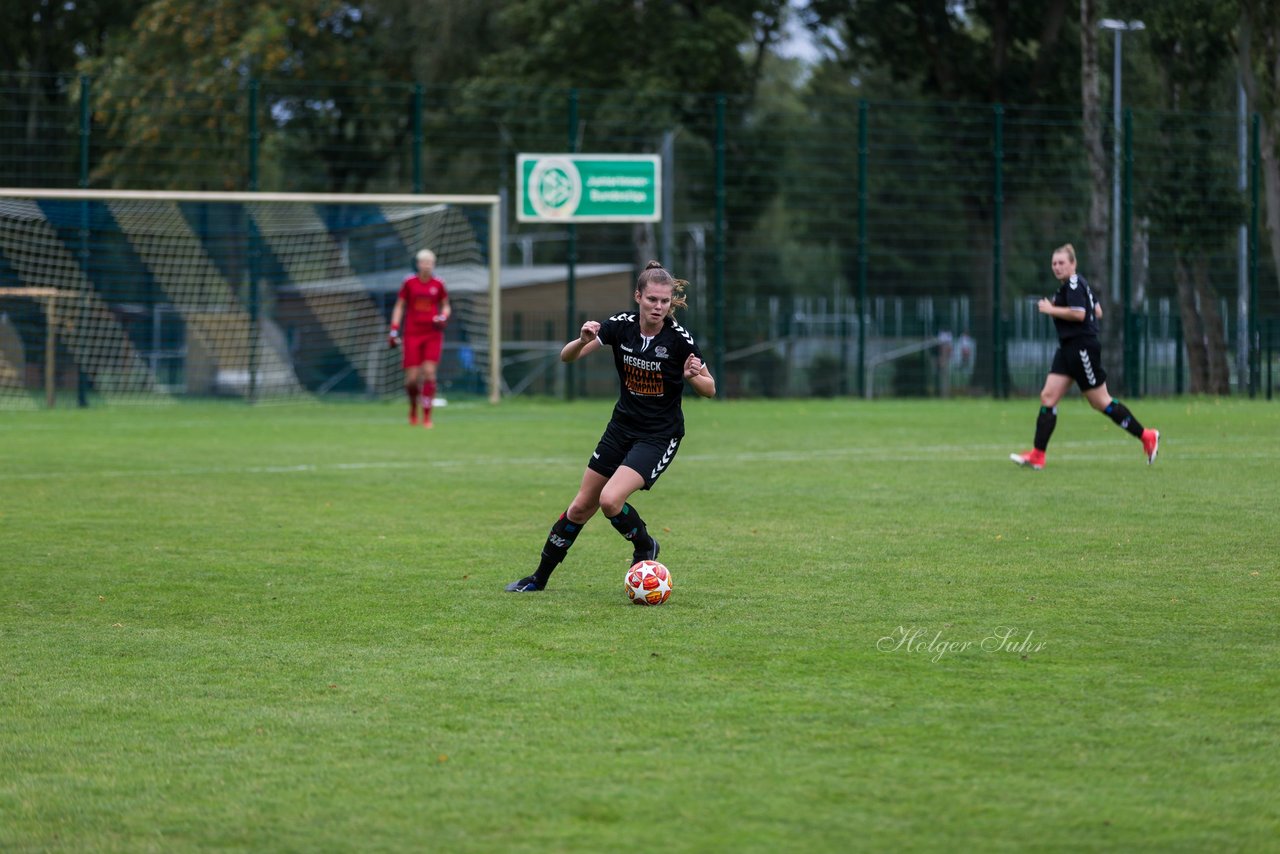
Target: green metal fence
x,y
834,246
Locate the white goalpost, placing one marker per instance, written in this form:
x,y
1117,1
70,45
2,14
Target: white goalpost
x,y
145,295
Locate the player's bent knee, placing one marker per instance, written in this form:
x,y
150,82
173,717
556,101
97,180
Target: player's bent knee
x,y
580,513
612,502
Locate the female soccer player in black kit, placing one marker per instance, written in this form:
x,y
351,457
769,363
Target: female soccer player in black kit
x,y
1075,314
655,358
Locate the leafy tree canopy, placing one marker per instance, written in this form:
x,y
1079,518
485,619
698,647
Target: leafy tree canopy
x,y
636,45
965,50
195,56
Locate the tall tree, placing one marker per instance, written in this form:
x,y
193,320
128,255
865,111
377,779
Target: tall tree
x,y
992,51
1100,215
203,51
446,40
980,52
1191,199
41,42
49,37
677,53
1258,52
679,45
1090,98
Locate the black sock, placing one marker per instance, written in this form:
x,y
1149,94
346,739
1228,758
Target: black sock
x,y
629,524
562,535
1047,420
1122,416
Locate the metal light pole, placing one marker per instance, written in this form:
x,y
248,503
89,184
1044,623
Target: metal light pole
x,y
1242,287
1119,28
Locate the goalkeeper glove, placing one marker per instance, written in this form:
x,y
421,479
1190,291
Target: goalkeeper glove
x,y
393,338
440,321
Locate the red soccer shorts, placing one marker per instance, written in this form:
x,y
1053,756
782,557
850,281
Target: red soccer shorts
x,y
421,348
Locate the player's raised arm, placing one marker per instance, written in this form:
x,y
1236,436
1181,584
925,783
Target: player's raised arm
x,y
588,340
697,375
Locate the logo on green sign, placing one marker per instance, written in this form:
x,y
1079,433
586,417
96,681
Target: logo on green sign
x,y
589,187
555,188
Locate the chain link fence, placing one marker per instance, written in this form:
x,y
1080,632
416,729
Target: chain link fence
x,y
833,246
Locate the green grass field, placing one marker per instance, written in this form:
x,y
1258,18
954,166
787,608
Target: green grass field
x,y
283,628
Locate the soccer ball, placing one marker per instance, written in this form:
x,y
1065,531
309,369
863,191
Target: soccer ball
x,y
648,583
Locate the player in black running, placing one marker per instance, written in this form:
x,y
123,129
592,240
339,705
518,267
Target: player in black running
x,y
1075,312
655,358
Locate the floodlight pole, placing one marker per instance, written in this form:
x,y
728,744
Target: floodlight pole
x,y
571,260
1119,28
1120,289
1243,362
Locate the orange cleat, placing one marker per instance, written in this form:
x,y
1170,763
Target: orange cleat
x,y
1034,459
1150,444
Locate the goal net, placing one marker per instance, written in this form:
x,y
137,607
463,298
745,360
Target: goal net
x,y
124,296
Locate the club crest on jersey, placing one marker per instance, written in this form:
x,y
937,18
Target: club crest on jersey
x,y
660,352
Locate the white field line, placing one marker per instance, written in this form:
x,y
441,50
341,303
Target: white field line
x,y
966,453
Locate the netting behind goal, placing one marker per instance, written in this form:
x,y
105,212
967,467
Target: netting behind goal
x,y
143,296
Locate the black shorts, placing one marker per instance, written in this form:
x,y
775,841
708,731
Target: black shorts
x,y
1082,361
649,455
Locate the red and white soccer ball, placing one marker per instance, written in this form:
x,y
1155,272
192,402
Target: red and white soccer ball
x,y
648,583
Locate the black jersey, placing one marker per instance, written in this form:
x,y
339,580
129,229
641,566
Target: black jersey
x,y
651,373
1075,293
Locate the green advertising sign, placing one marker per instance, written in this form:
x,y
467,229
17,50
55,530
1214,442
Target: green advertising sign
x,y
589,187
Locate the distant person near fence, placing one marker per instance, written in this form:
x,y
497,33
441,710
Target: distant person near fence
x,y
1075,314
423,307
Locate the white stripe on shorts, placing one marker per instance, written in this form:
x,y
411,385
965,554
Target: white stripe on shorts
x,y
1088,367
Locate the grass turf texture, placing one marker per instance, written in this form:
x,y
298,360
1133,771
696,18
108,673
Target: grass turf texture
x,y
283,628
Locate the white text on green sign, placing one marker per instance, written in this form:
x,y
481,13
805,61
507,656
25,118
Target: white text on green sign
x,y
589,187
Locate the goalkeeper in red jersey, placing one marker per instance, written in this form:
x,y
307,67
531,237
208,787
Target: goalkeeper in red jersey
x,y
423,309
